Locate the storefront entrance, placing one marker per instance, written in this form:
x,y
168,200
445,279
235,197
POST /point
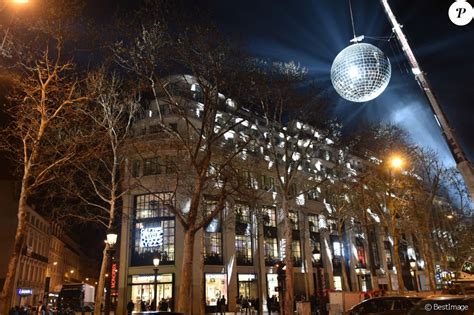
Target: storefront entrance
x,y
142,288
247,284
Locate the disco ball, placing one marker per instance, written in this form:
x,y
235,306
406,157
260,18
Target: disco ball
x,y
360,72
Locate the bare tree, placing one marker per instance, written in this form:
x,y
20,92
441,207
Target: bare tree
x,y
202,124
42,106
291,143
95,182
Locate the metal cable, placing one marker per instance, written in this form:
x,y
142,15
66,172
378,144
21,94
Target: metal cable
x,y
352,19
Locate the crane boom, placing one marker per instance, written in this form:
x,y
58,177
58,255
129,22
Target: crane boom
x,y
462,163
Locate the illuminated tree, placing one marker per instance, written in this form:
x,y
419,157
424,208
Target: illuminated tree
x,y
42,106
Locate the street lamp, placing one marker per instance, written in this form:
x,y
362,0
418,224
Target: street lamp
x,y
111,241
396,162
413,273
156,263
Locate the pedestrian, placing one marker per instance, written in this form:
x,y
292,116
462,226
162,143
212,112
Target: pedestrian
x,y
222,305
142,306
245,305
130,307
41,310
270,305
218,306
163,305
239,304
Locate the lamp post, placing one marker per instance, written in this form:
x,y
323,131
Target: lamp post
x,y
2,6
111,241
156,263
359,271
413,273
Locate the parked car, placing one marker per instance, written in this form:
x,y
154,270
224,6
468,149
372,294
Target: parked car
x,y
385,305
444,304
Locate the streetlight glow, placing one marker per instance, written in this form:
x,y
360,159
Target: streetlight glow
x,y
20,1
396,162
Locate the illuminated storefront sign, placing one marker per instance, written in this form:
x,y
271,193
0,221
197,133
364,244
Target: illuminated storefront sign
x,y
151,237
25,291
216,287
113,279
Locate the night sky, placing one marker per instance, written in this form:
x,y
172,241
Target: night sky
x,y
313,32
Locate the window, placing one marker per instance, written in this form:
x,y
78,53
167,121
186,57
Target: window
x,y
213,239
269,219
293,220
170,163
197,94
152,166
243,250
388,253
267,183
154,229
243,238
313,223
216,287
336,248
270,249
296,250
337,283
136,168
313,194
360,251
249,180
332,224
213,243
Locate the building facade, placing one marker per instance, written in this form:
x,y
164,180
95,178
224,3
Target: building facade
x,y
49,256
236,253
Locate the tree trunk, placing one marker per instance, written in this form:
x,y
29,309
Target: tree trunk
x,y
396,259
7,292
202,305
345,279
100,287
428,257
185,286
288,297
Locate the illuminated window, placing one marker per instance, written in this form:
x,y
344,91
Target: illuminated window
x,y
337,283
336,247
296,250
213,239
269,218
332,224
154,229
216,288
388,253
294,220
313,223
243,249
270,248
243,239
